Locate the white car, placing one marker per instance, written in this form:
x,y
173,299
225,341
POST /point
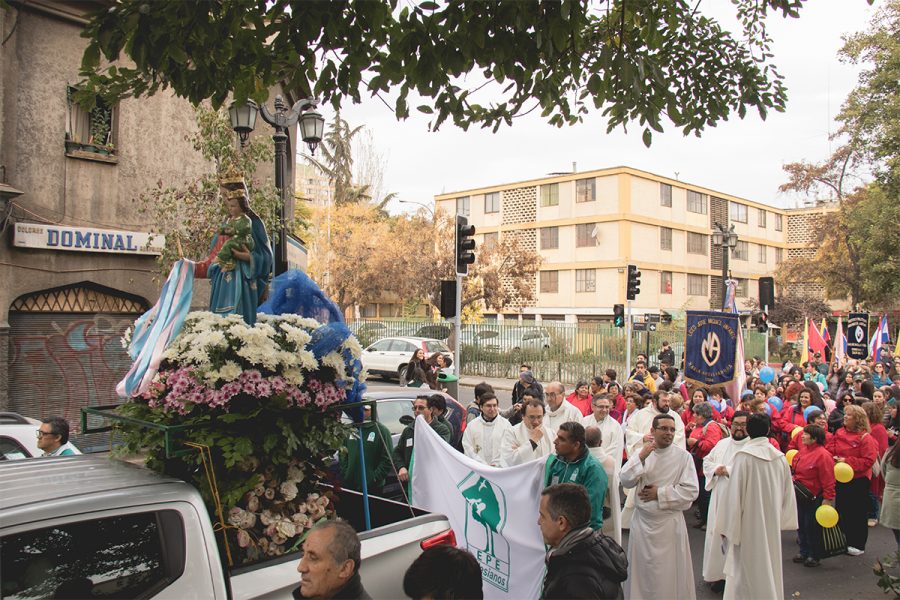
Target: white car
x,y
18,437
388,357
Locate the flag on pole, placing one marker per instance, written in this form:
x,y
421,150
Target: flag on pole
x,y
882,336
493,512
736,387
804,349
815,341
823,330
840,342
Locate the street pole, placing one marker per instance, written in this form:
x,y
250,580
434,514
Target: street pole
x,y
457,326
724,273
628,337
766,312
280,138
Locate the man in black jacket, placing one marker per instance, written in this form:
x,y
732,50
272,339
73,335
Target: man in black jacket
x,y
581,562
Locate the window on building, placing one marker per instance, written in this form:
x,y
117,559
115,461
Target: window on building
x,y
696,202
665,195
491,240
696,243
462,206
761,218
124,556
742,289
779,255
368,311
549,238
665,282
779,224
586,190
550,194
741,251
585,280
585,235
665,238
763,252
698,285
90,130
549,282
737,212
492,203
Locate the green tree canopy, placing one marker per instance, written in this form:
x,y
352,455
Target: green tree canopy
x,y
638,60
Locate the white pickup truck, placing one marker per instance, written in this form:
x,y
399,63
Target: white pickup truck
x,y
91,526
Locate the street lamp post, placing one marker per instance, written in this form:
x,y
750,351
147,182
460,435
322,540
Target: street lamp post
x,y
422,204
312,128
726,239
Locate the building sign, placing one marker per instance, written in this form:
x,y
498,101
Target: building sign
x,y
858,335
86,239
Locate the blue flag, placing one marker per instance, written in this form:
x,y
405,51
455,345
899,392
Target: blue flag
x,y
711,346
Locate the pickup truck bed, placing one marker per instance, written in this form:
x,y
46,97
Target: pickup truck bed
x,y
89,525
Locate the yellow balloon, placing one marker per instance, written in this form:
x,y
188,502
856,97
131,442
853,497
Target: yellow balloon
x,y
843,472
791,454
826,516
797,431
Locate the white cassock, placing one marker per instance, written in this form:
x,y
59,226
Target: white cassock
x,y
482,440
659,552
757,506
563,414
638,426
516,449
612,437
611,464
721,455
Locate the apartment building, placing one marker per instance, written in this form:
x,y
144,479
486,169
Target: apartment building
x,y
589,226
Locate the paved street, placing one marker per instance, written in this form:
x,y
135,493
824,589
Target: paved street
x,y
842,577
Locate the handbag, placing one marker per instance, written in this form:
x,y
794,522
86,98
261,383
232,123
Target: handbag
x,y
803,492
834,542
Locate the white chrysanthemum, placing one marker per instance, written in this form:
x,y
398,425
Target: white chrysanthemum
x,y
334,360
230,371
293,376
352,344
306,360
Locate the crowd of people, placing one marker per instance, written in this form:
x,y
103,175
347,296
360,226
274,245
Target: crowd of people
x,y
750,467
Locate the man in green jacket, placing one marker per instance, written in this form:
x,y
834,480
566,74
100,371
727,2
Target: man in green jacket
x,y
377,451
422,405
572,463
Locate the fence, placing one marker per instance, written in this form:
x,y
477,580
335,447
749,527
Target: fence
x,y
567,352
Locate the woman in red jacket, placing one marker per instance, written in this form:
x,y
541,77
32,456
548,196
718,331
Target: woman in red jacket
x,y
791,416
703,434
878,431
814,470
581,398
816,417
618,409
853,445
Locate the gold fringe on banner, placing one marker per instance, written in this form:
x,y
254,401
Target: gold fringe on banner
x,y
222,525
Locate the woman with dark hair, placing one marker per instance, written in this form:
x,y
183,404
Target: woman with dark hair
x,y
614,391
879,432
791,415
581,398
846,385
416,372
813,470
836,416
834,377
633,403
816,392
698,395
816,417
853,445
866,390
879,377
890,506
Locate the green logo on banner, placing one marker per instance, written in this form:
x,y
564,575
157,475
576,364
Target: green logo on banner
x,y
485,520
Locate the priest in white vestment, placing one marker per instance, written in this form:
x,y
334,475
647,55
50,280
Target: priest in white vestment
x,y
612,525
757,506
637,433
529,439
717,467
612,435
663,480
559,410
484,434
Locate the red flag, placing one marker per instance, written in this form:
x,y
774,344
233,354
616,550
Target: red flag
x,y
816,343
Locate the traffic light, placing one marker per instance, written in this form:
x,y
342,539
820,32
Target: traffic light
x,y
762,323
465,245
619,315
634,282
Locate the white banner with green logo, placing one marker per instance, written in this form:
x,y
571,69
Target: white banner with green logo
x,y
493,512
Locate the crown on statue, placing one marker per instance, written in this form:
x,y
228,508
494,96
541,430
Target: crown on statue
x,y
232,176
238,192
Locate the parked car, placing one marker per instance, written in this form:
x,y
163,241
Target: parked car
x,y
437,331
508,338
18,437
388,357
91,526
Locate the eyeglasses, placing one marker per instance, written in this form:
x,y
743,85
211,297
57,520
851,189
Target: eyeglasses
x,y
419,408
666,429
39,434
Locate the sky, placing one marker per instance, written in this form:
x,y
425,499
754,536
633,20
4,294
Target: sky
x,y
743,158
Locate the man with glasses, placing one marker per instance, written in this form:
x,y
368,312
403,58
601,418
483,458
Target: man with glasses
x,y
53,437
612,441
717,469
484,434
529,439
423,405
559,410
664,481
